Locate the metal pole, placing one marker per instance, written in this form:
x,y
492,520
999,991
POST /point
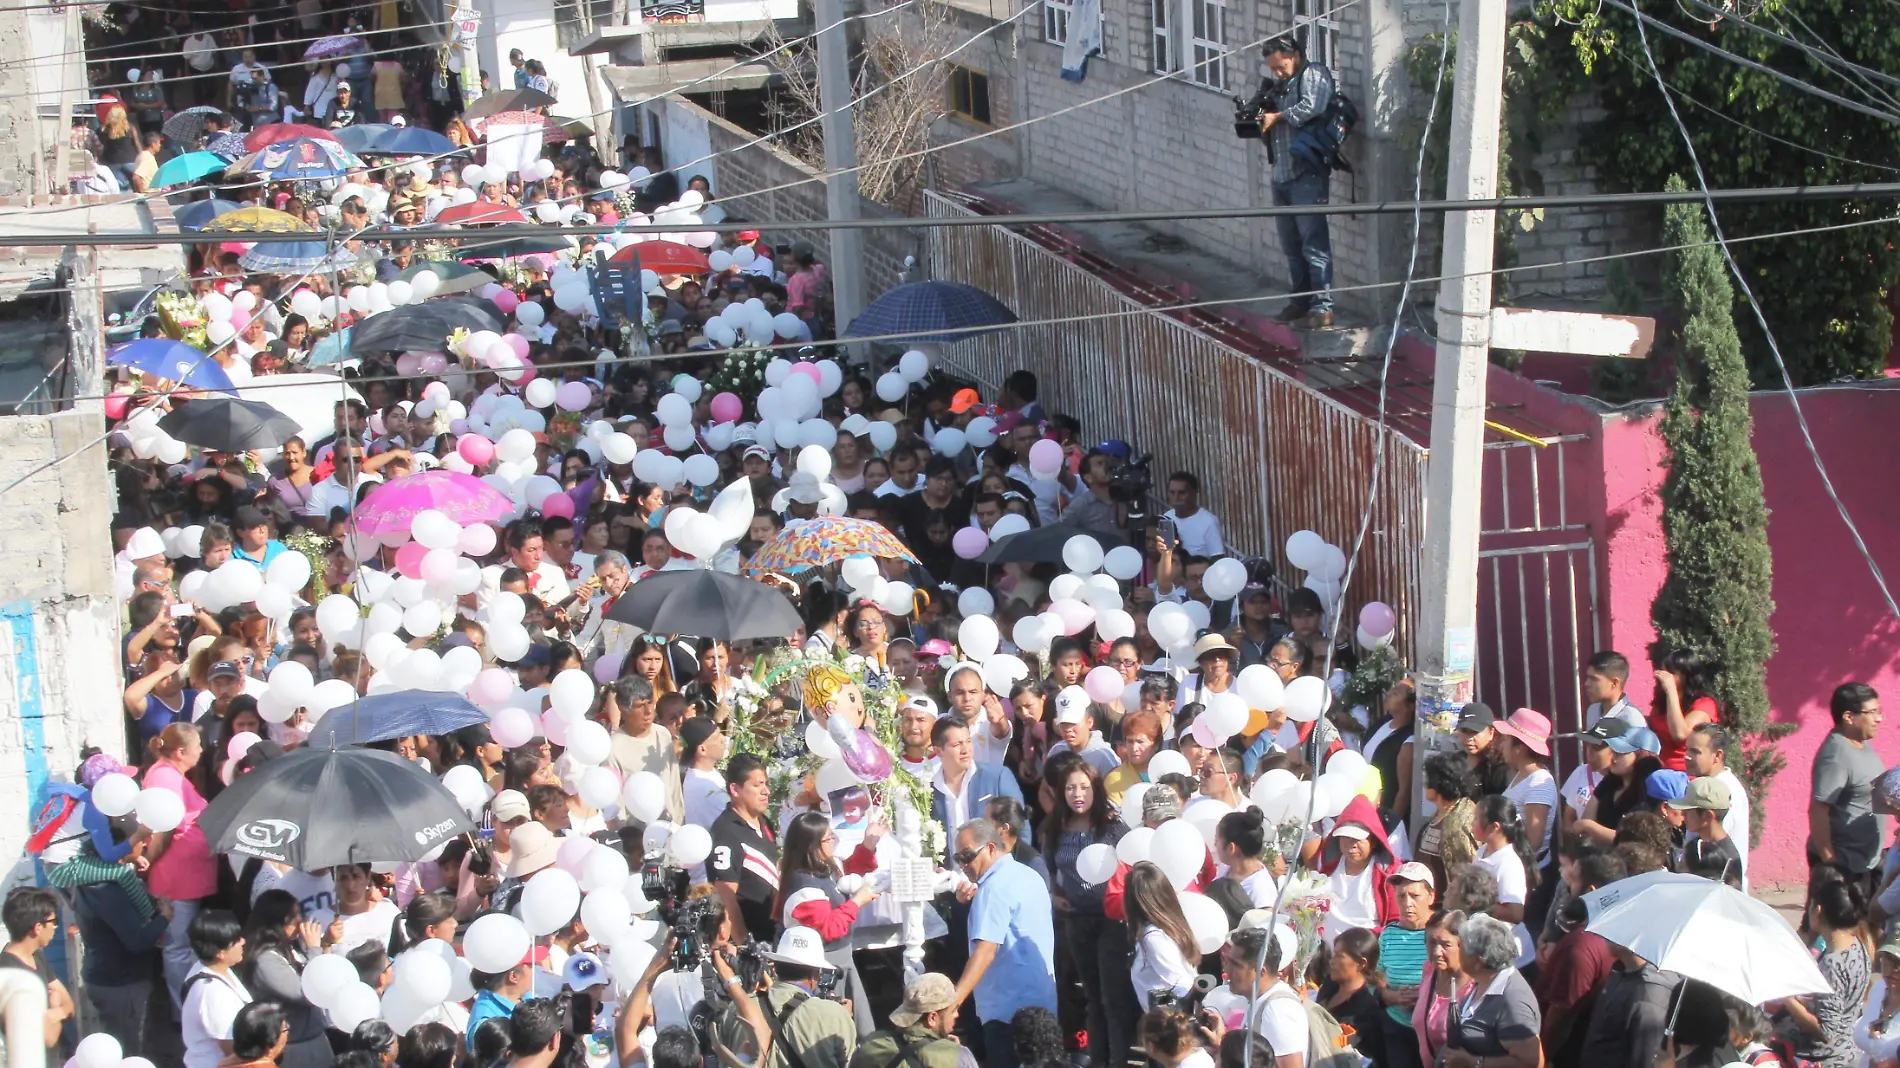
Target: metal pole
x,y
1454,484
846,264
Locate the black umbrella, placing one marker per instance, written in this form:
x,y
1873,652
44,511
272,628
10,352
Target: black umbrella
x,y
1043,545
317,808
508,100
706,604
226,425
397,714
423,326
187,126
499,248
940,312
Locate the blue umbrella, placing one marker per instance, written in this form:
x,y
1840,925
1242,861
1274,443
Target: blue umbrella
x,y
284,257
334,348
379,139
189,168
198,214
298,159
172,360
396,714
940,312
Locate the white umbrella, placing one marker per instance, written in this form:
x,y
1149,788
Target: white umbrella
x,y
1703,929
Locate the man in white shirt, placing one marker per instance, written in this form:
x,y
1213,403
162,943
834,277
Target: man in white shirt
x,y
1276,1011
1195,527
702,747
915,718
241,73
201,51
213,995
1705,754
526,550
980,711
906,475
339,490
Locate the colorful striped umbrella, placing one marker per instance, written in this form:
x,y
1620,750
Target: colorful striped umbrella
x,y
304,158
259,220
466,499
827,540
277,133
331,47
288,257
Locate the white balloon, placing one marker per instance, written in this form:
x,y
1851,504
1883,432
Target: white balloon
x,y
913,365
588,742
975,601
1178,850
1225,578
354,1004
495,942
977,636
422,977
1096,864
100,1050
1306,699
1131,803
115,794
326,976
159,810
1137,845
1206,919
550,901
1260,687
689,845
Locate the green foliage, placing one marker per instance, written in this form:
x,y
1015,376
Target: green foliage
x,y
1377,672
1825,294
1717,597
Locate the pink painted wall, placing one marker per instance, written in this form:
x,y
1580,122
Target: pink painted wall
x,y
1830,623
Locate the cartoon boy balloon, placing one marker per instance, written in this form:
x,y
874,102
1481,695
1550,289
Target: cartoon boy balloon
x,y
836,702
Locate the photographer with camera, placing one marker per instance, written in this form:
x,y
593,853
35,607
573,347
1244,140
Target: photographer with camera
x,y
1173,1039
1095,510
920,1034
809,1029
1292,106
726,1022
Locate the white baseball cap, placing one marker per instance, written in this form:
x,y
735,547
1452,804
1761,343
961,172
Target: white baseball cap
x,y
802,946
1072,704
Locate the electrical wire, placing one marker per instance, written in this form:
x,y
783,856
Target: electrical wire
x,y
139,60
196,76
1774,348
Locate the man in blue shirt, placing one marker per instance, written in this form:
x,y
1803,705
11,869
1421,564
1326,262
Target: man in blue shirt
x,y
252,529
1012,940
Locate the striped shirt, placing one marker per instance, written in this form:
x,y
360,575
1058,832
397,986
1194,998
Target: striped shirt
x,y
1402,959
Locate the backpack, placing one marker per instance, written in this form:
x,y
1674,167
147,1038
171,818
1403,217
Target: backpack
x,y
50,827
1327,1045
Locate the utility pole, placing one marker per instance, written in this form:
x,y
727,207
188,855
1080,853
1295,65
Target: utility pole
x,y
1447,640
846,264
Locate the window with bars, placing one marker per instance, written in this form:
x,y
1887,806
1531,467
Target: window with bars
x,y
1316,26
970,94
1165,61
1055,20
1207,48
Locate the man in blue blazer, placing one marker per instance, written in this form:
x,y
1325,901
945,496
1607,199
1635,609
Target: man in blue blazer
x,y
961,789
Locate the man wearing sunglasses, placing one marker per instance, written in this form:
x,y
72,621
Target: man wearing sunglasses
x,y
1012,939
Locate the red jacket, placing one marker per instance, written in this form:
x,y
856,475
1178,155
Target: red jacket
x,y
1360,811
833,922
1117,883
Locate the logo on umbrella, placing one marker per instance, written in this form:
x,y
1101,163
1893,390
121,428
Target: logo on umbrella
x,y
424,835
184,368
267,834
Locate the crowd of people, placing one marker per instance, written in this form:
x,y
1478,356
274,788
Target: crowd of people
x,y
1167,815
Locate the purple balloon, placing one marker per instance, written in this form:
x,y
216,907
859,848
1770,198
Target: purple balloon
x,y
1378,619
969,543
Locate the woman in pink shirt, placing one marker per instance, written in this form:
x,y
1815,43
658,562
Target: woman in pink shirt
x,y
183,870
1442,985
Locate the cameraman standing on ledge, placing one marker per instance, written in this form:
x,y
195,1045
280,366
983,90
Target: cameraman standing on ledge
x,y
1297,94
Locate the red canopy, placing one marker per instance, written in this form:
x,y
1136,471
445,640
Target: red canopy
x,y
665,257
480,211
283,131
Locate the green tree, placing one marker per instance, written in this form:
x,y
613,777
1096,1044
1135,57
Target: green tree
x,y
1717,596
1828,290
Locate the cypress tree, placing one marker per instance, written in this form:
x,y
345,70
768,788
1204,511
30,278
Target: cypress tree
x,y
1717,597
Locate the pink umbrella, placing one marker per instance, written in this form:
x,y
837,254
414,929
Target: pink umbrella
x,y
464,498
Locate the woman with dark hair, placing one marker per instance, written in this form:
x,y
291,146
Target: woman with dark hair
x,y
277,945
1029,699
361,916
1505,851
1389,748
1821,1027
824,621
712,691
260,1038
808,896
1448,840
1684,700
376,1038
488,1046
478,749
1011,818
648,661
430,924
1166,953
1098,946
293,488
868,631
1240,845
1036,1035
428,1045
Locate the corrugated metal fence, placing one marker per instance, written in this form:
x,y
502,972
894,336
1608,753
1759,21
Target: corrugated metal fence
x,y
1274,456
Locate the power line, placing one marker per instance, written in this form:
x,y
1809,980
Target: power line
x,y
1787,381
1823,58
499,234
138,60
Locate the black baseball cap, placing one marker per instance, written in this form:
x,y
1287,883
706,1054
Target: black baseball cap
x,y
248,516
693,734
1601,732
1476,716
226,669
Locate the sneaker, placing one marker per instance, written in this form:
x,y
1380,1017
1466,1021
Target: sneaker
x,y
1292,313
1319,320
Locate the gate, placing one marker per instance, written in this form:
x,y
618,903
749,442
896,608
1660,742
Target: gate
x,y
1537,588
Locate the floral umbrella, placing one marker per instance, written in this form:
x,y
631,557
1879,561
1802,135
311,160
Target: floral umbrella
x,y
466,499
827,540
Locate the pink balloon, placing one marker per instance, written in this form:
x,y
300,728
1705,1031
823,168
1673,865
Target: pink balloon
x,y
491,687
434,363
517,343
477,540
458,427
1204,734
511,727
969,543
1103,684
1045,456
409,364
115,406
727,408
558,504
240,319
573,396
507,301
438,567
409,559
554,728
491,289
573,853
806,368
528,373
1378,619
1076,616
477,450
607,668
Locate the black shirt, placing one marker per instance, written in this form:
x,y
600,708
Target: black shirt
x,y
1711,859
747,857
120,948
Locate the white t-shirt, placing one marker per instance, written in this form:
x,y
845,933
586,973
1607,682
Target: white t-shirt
x,y
1199,533
705,793
1159,963
1355,902
1508,867
1537,788
211,1007
1578,786
378,924
1622,710
1281,1020
1260,888
1200,1058
315,894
